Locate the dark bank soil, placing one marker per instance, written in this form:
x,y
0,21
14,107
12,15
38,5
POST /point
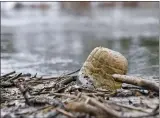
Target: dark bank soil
x,y
27,96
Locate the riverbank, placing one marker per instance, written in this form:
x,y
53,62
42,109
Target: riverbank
x,y
32,96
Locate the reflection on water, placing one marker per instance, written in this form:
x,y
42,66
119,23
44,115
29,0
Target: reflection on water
x,y
58,42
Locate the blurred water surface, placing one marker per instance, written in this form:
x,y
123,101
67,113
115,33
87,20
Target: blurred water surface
x,y
58,41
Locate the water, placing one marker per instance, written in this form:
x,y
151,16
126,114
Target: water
x,y
55,42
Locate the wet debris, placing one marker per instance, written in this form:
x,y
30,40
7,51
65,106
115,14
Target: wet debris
x,y
27,96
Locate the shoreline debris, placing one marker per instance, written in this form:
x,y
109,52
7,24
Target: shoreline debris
x,y
34,97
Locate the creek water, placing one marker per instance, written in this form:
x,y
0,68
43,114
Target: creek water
x,y
55,41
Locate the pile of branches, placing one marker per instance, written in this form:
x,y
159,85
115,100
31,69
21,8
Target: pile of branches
x,y
27,96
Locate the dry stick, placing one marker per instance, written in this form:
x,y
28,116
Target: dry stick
x,y
103,90
23,91
41,91
10,73
73,72
6,84
65,113
141,116
114,113
95,102
26,95
106,108
90,90
57,78
65,95
51,78
61,89
15,77
35,76
9,82
68,80
130,107
138,81
97,94
84,108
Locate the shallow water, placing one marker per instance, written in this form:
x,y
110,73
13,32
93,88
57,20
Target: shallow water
x,y
54,43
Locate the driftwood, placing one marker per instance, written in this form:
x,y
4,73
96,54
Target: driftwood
x,y
138,81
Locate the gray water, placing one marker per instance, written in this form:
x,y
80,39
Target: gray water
x,y
55,42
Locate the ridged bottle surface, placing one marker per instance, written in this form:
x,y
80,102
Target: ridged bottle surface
x,y
100,65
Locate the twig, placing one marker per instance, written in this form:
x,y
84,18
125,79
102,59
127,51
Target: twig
x,y
103,90
51,78
65,95
10,73
68,80
131,107
84,108
106,108
26,95
81,88
97,94
35,76
115,114
136,81
73,72
60,89
65,113
26,75
15,77
24,92
140,116
7,84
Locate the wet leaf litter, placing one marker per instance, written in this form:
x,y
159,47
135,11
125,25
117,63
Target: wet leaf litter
x,y
32,96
